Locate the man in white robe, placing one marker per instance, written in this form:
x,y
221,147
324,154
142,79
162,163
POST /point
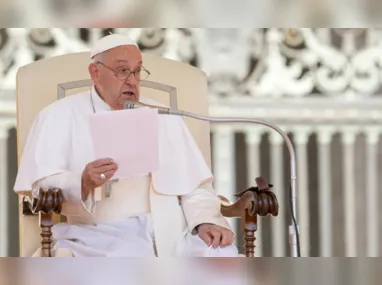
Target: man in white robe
x,y
170,212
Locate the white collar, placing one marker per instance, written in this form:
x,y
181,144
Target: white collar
x,y
99,104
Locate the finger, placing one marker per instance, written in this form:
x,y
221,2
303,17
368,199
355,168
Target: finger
x,y
206,237
108,175
98,181
227,238
216,238
100,162
105,168
232,239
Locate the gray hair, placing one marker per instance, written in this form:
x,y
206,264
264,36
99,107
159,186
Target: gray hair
x,y
98,57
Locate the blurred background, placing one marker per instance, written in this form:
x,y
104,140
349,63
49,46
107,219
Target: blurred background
x,y
320,85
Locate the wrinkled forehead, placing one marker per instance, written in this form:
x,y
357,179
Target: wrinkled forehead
x,y
129,56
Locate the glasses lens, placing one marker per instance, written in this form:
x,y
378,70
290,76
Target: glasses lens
x,y
139,75
143,74
123,74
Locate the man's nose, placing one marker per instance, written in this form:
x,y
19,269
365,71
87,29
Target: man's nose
x,y
131,79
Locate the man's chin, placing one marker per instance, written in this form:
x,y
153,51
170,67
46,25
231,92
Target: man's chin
x,y
122,102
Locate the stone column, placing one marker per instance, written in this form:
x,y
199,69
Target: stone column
x,y
301,140
350,209
224,163
325,136
253,138
277,172
372,197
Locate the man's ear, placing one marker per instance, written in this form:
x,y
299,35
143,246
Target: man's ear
x,y
93,71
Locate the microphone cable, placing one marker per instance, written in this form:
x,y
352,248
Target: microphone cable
x,y
294,223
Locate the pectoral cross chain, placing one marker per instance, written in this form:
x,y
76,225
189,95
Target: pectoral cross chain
x,y
108,187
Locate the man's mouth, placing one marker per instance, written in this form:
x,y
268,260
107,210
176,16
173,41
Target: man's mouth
x,y
128,93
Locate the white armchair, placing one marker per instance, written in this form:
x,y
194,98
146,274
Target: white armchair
x,y
172,83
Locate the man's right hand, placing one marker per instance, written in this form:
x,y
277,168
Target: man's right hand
x,y
92,174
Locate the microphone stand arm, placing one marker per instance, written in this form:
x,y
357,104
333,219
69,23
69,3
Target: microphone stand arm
x,y
293,228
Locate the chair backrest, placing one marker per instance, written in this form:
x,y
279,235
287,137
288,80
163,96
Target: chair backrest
x,y
172,83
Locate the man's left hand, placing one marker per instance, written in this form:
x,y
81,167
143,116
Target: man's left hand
x,y
216,235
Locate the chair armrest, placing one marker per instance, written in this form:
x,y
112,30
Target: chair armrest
x,y
239,207
46,201
253,201
250,203
45,204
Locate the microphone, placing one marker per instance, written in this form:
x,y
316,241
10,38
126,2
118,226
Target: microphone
x,y
161,110
294,240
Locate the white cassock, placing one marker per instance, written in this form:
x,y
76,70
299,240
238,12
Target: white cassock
x,y
146,215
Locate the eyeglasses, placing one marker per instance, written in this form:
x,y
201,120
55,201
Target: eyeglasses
x,y
123,73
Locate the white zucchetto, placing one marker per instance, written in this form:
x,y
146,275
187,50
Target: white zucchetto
x,y
111,41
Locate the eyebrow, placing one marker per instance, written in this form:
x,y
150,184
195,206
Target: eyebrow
x,y
124,60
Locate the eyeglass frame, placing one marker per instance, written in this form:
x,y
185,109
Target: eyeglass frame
x,y
128,75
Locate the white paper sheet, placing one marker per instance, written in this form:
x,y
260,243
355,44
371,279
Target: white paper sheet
x,y
130,137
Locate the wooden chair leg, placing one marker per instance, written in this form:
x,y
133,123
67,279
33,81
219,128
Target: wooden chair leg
x,y
250,228
46,223
46,203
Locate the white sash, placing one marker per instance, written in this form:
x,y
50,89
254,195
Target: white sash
x,y
129,198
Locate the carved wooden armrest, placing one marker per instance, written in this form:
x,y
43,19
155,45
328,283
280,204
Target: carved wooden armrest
x,y
250,203
46,202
